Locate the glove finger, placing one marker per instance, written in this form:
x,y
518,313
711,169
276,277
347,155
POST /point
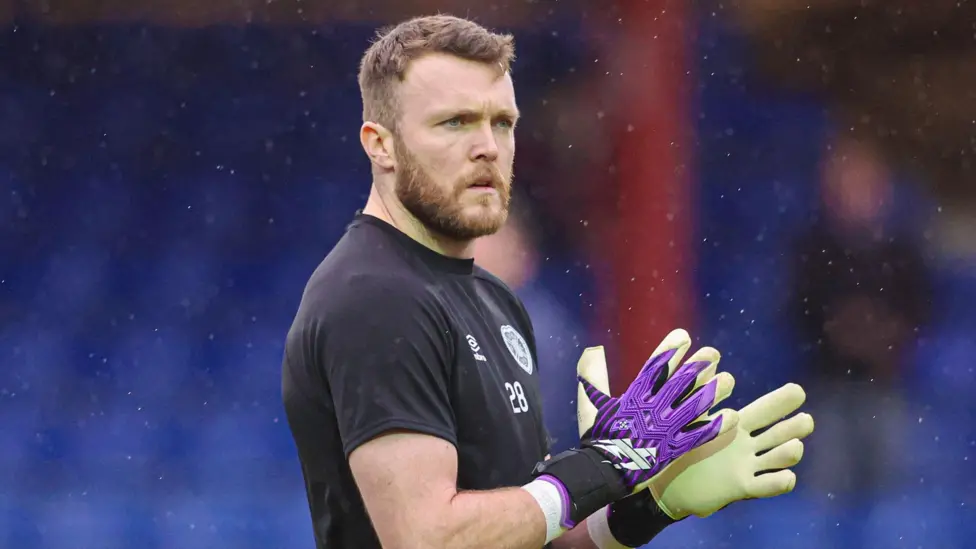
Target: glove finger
x,y
707,396
589,405
592,366
706,431
772,484
593,387
729,419
799,426
678,388
785,455
724,383
668,354
709,356
772,407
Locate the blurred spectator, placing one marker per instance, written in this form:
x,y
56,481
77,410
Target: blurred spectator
x,y
861,295
513,256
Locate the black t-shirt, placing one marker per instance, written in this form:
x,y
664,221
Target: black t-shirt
x,y
391,335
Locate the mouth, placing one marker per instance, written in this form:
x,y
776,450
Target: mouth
x,y
482,184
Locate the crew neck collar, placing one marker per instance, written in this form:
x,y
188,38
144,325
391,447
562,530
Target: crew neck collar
x,y
435,260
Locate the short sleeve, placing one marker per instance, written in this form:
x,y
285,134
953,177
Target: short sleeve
x,y
385,354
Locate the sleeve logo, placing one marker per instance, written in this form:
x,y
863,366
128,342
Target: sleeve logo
x,y
475,348
518,347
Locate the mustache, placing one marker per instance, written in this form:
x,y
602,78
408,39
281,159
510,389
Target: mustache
x,y
490,175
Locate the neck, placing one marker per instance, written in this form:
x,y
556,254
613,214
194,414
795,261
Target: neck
x,y
389,209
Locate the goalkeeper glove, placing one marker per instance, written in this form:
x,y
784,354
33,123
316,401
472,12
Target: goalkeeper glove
x,y
634,437
712,476
644,430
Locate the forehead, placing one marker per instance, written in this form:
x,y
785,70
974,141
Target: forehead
x,y
438,82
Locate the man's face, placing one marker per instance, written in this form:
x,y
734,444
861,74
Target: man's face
x,y
455,145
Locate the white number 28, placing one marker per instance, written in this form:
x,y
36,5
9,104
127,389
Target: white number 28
x,y
517,397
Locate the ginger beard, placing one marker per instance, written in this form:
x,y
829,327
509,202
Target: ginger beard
x,y
446,211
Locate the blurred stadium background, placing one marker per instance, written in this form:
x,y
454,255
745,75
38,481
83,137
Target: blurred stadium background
x,y
789,180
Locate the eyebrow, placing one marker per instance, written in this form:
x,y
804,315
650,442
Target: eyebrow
x,y
474,113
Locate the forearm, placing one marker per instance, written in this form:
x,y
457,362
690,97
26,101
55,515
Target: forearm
x,y
517,522
409,512
509,518
540,512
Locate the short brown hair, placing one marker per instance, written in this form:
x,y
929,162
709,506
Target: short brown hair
x,y
385,63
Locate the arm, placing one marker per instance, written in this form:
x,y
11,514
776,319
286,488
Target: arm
x,y
408,483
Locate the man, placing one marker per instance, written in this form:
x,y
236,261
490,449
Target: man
x,y
409,376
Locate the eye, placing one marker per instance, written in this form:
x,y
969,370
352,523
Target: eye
x,y
506,122
453,122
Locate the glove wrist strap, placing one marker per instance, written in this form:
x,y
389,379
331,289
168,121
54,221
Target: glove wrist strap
x,y
636,520
588,482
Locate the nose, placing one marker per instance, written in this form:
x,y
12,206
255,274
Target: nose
x,y
485,146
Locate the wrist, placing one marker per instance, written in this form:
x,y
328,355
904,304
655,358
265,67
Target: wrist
x,y
571,486
555,503
598,527
636,520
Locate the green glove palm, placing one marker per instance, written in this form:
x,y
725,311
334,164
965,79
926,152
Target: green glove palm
x,y
725,469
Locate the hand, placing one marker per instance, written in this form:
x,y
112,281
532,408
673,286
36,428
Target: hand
x,y
725,470
660,417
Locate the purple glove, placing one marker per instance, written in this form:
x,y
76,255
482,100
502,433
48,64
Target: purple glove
x,y
628,440
656,420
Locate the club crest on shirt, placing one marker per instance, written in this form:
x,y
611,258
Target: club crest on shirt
x,y
518,347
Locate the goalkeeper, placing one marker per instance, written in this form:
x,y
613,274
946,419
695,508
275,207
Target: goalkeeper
x,y
410,380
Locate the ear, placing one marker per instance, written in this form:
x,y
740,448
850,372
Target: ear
x,y
377,141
